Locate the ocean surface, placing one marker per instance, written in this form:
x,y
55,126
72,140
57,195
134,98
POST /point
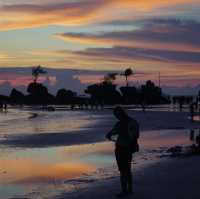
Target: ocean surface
x,y
35,172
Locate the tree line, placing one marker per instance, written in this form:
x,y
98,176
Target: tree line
x,y
104,93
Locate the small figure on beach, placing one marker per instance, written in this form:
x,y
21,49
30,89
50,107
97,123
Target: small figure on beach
x,y
199,110
198,142
1,106
127,131
180,106
196,139
192,134
5,107
192,112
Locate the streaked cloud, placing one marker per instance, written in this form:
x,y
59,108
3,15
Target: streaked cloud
x,y
128,54
156,45
4,56
153,34
150,36
31,14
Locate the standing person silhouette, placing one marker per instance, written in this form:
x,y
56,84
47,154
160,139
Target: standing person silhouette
x,y
127,130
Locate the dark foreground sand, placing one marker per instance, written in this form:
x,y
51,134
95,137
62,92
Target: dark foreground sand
x,y
173,178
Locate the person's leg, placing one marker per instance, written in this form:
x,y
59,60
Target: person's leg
x,y
126,183
121,161
129,174
123,180
129,182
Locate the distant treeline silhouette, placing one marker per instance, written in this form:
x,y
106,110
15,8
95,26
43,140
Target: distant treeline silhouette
x,y
103,93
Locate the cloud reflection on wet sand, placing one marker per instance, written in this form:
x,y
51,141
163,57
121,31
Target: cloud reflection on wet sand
x,y
33,171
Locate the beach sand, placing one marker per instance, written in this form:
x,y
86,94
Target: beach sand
x,y
155,175
176,178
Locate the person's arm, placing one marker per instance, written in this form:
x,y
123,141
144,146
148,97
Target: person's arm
x,y
114,131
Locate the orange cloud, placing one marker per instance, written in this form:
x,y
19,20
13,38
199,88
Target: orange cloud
x,y
20,16
3,56
31,15
149,5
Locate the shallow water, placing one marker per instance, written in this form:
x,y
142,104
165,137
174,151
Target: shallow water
x,y
18,121
24,172
47,172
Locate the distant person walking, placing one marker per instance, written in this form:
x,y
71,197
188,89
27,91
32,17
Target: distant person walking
x,y
127,130
1,106
192,112
5,106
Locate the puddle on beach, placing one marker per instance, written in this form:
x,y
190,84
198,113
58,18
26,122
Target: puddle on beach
x,y
44,173
24,171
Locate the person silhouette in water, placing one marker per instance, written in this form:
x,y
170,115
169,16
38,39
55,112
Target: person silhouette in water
x,y
127,131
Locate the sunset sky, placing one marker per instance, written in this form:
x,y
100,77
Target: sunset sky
x,y
149,36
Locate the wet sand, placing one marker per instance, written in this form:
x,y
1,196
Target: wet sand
x,y
101,122
51,165
48,173
172,178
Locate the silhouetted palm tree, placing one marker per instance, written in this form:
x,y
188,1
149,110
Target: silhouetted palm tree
x,y
36,71
128,72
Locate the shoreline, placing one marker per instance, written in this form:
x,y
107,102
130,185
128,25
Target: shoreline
x,y
149,121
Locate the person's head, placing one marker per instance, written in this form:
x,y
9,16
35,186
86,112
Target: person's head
x,y
120,113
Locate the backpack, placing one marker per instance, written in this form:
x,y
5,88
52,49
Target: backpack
x,y
135,147
134,133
